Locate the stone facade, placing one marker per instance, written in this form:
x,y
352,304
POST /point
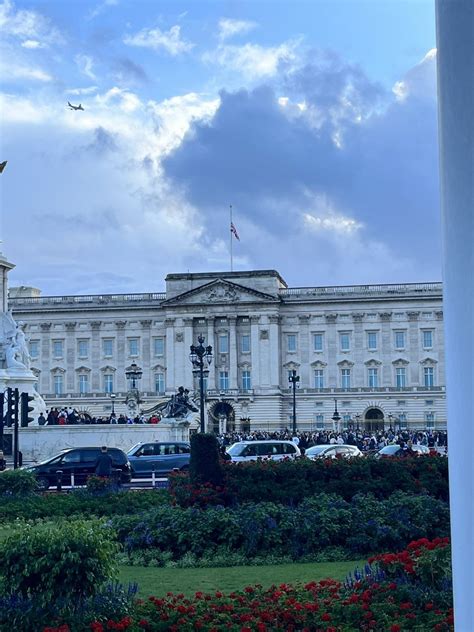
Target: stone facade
x,y
378,349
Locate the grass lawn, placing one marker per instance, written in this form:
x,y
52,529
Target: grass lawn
x,y
158,581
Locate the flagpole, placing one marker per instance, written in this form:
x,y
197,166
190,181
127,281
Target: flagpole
x,y
231,244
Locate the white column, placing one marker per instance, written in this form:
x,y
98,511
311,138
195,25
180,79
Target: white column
x,y
254,346
170,361
188,341
232,352
455,42
275,361
211,379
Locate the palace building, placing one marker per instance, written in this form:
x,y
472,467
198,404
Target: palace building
x,y
376,349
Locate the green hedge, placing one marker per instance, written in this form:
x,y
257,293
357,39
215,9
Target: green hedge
x,y
326,520
79,503
291,481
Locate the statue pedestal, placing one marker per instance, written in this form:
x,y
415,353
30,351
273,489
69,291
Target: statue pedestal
x,y
25,381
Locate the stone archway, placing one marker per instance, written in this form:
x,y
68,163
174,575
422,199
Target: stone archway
x,y
222,417
374,419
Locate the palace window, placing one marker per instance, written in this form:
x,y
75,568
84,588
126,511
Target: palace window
x,y
318,342
319,421
159,344
427,339
223,343
133,346
291,343
83,383
399,340
372,340
373,378
224,380
58,384
108,382
83,348
245,343
318,378
34,349
345,342
401,377
345,378
160,382
107,347
57,349
246,380
428,376
430,420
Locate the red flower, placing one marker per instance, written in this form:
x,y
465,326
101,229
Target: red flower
x,y
326,616
395,628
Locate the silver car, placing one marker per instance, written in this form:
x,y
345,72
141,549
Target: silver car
x,y
162,457
253,450
332,451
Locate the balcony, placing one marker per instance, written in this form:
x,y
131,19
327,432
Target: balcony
x,y
363,291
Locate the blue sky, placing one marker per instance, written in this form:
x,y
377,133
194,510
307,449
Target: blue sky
x,y
316,120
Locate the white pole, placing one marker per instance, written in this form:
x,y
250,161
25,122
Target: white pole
x,y
455,42
231,239
72,480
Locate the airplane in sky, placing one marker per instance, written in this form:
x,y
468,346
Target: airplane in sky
x,y
75,107
3,165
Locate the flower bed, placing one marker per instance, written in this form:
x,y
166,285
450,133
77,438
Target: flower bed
x,y
365,525
292,481
375,600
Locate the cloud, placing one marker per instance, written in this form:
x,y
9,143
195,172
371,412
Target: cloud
x,y
156,39
419,81
27,25
229,27
12,70
253,61
100,8
33,44
334,172
85,64
127,70
88,90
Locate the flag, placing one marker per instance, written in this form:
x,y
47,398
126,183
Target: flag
x,y
233,230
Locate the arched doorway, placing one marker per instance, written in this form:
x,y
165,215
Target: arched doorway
x,y
222,417
374,420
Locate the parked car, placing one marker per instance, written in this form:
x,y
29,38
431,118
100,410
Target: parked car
x,y
395,451
160,457
253,450
81,462
332,451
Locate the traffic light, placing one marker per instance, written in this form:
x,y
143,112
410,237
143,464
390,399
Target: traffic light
x,y
26,409
10,408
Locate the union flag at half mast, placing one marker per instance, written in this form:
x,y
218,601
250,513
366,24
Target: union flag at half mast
x,y
233,230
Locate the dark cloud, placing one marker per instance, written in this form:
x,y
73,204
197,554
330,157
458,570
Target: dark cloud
x,y
128,71
370,156
103,142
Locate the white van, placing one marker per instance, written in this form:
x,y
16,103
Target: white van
x,y
268,449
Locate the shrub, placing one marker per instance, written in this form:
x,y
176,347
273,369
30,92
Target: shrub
x,y
48,561
365,525
204,464
17,482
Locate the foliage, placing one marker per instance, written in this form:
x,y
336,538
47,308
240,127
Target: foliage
x,y
372,600
51,560
364,525
204,464
81,503
26,614
17,482
100,484
291,481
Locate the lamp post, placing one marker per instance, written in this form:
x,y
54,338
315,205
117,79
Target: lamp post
x,y
357,421
133,373
198,354
112,399
390,419
336,416
294,379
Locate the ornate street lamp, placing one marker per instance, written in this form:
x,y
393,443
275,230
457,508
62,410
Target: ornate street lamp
x,y
198,355
390,419
336,416
294,379
357,421
112,399
133,373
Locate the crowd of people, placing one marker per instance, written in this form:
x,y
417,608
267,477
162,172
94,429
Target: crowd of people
x,y
366,441
71,417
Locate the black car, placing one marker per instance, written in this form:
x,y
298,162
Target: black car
x,y
81,462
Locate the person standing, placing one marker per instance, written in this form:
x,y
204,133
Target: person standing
x,y
103,465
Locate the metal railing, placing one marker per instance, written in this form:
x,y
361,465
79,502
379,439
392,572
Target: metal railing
x,y
88,298
364,290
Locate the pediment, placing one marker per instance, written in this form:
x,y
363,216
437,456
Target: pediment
x,y
221,291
